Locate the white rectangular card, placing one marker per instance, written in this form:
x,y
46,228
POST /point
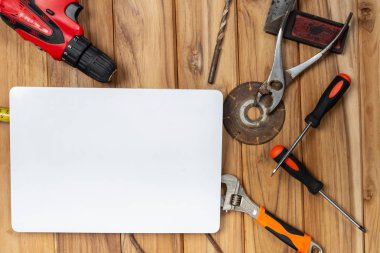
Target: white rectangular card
x,y
115,160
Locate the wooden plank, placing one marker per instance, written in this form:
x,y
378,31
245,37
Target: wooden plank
x,y
348,62
88,243
145,50
197,27
145,53
326,150
369,39
97,21
280,194
22,65
145,45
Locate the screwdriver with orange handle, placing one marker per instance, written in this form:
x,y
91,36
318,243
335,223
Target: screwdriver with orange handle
x,y
296,169
329,98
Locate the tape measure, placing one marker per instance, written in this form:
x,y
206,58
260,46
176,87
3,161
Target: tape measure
x,y
4,115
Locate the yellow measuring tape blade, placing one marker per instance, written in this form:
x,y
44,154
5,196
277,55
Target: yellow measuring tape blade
x,y
4,115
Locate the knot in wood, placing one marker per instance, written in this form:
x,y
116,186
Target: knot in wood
x,y
368,195
369,191
367,15
195,60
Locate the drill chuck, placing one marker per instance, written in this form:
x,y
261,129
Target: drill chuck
x,y
81,54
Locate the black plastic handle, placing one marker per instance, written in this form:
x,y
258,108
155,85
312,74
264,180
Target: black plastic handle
x,y
330,97
285,232
295,168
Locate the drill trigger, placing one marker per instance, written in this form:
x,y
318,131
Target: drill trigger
x,y
73,10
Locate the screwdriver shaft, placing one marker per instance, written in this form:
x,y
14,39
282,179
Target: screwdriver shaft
x,y
342,211
292,148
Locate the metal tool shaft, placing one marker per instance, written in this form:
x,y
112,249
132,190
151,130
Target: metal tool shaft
x,y
292,148
342,211
219,42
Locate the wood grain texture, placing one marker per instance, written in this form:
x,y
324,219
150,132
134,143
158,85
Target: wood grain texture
x,y
326,150
22,65
197,22
80,243
145,54
144,43
369,52
61,74
348,63
169,44
280,194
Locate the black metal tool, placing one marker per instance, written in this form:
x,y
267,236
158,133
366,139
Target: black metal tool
x,y
329,98
295,168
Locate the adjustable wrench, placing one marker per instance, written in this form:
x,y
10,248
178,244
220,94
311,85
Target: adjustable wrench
x,y
236,199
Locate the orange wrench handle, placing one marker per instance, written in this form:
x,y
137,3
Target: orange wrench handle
x,y
286,233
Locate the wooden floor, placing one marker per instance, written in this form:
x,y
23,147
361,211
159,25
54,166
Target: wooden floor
x,y
169,44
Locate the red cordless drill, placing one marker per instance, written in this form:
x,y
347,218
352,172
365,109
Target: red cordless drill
x,y
52,25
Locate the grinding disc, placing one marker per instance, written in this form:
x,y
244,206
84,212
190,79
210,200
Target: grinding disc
x,y
238,123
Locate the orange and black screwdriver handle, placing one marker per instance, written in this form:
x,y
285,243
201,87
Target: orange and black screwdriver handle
x,y
330,97
295,168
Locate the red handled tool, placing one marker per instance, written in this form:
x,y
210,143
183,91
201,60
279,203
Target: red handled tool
x,y
53,27
235,199
330,97
295,168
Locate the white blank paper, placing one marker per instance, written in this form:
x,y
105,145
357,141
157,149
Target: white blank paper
x,y
115,160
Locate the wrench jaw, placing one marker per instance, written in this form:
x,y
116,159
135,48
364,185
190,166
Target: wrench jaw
x,y
314,247
236,199
233,186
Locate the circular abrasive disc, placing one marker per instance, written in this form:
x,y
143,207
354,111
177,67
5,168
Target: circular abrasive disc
x,y
237,119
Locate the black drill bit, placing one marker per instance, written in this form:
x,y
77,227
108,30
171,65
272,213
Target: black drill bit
x,y
219,41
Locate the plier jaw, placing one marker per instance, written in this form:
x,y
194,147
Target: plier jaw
x,y
275,85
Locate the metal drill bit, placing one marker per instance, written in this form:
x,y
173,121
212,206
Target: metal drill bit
x,y
219,42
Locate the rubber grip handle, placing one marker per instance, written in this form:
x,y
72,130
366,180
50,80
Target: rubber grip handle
x,y
283,231
295,168
329,98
